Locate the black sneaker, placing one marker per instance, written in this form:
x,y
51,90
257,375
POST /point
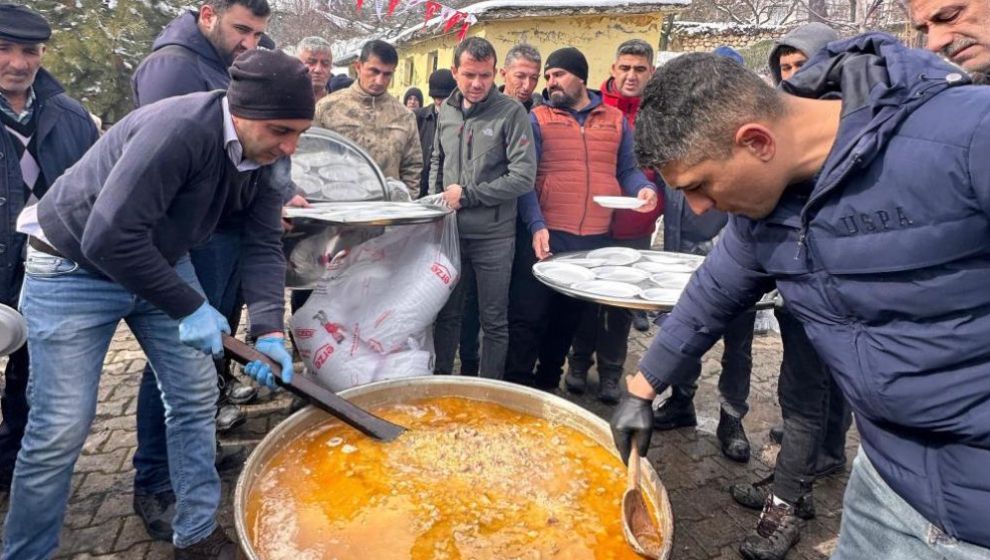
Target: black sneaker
x,y
640,321
576,381
754,496
777,433
217,546
241,393
732,437
674,413
230,457
778,530
156,512
608,388
229,416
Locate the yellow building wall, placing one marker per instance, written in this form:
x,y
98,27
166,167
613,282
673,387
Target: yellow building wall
x,y
596,36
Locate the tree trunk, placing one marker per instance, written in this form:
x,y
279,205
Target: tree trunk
x,y
817,10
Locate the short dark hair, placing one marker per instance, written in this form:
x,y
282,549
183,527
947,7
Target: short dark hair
x,y
477,48
636,47
787,50
693,105
259,8
381,50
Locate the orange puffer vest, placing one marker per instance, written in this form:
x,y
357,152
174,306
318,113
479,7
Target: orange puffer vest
x,y
576,164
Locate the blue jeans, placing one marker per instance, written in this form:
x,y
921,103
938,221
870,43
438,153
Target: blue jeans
x,y
877,523
72,315
216,265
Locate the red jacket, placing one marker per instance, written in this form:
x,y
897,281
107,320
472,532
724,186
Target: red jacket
x,y
628,224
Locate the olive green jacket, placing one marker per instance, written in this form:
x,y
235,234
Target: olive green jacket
x,y
379,124
488,151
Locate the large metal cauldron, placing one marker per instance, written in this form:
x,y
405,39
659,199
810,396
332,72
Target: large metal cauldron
x,y
515,397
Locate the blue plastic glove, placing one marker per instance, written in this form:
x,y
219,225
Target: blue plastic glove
x,y
202,329
274,348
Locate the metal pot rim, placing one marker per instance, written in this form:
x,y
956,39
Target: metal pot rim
x,y
514,396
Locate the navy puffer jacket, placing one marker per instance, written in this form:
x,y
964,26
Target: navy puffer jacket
x,y
886,261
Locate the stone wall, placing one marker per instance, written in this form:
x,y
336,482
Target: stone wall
x,y
705,37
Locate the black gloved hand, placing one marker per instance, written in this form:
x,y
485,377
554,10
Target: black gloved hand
x,y
632,421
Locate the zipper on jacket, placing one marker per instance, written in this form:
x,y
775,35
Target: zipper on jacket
x,y
587,181
460,152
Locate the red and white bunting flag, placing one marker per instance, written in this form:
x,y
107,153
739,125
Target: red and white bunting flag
x,y
463,32
453,20
431,9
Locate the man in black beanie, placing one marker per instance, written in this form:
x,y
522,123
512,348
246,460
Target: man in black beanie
x,y
110,241
584,149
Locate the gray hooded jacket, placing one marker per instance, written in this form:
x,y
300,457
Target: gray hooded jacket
x,y
808,39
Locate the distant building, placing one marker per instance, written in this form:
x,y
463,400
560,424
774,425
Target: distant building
x,y
597,27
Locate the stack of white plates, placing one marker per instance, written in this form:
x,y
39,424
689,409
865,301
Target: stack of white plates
x,y
13,330
619,202
671,280
607,288
563,273
621,273
615,256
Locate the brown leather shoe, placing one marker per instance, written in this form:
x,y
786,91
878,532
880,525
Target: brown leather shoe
x,y
217,546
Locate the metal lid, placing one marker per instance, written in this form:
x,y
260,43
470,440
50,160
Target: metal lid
x,y
330,168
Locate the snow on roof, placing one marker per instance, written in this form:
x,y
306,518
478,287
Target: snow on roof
x,y
703,27
346,50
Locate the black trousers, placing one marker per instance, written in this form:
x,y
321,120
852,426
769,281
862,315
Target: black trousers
x,y
604,332
542,321
816,416
14,407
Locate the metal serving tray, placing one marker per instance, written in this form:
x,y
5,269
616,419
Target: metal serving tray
x,y
666,294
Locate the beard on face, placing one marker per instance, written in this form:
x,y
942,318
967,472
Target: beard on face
x,y
560,98
216,38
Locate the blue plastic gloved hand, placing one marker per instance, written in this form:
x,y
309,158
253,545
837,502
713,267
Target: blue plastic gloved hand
x,y
274,348
202,329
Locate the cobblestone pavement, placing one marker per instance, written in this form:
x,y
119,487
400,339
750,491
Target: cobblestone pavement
x,y
100,522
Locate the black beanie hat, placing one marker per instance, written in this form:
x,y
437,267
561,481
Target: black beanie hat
x,y
570,59
267,85
442,83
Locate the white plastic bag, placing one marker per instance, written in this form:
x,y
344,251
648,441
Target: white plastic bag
x,y
371,315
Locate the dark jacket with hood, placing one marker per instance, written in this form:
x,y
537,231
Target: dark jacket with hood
x,y
883,257
63,133
809,39
488,150
182,61
426,122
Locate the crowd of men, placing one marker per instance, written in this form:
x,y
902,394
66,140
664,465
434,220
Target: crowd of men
x,y
855,187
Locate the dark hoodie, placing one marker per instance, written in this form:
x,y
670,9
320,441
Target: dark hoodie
x,y
182,61
808,39
884,261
